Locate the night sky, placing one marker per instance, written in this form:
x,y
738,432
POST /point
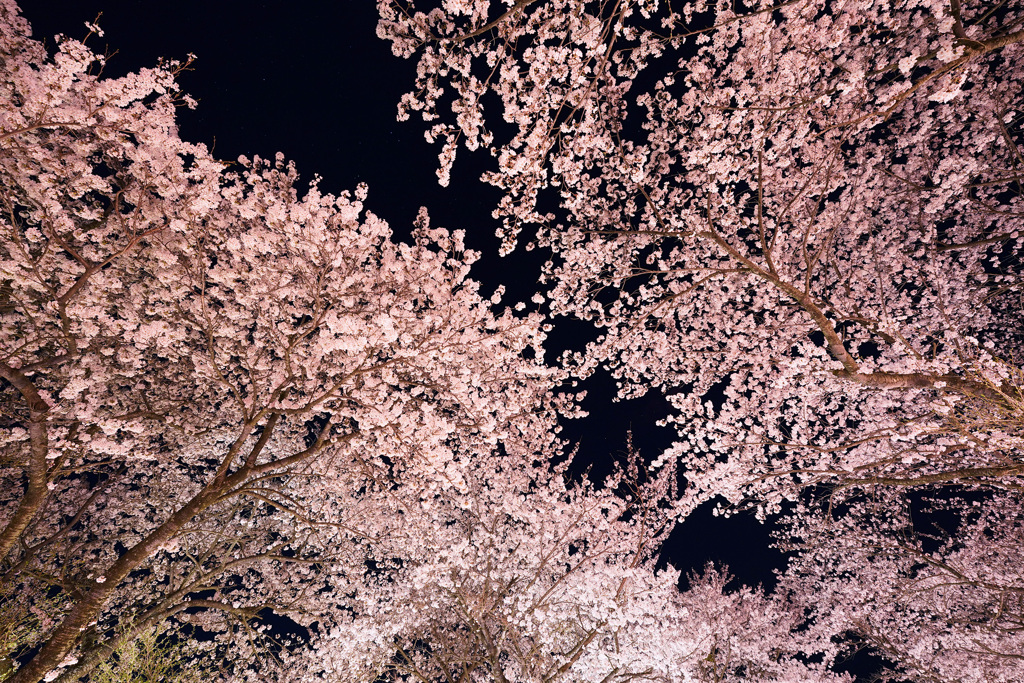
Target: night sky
x,y
311,79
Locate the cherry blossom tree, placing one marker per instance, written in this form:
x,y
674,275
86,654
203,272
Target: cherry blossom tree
x,y
810,209
205,368
934,585
226,395
801,222
554,583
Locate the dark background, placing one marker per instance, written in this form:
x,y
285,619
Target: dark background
x,y
312,80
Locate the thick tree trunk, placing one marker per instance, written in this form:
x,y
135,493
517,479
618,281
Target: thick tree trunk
x,y
35,491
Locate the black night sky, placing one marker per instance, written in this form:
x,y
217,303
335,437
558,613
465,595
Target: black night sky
x,y
311,79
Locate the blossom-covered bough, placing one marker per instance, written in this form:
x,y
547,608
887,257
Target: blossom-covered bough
x,y
801,221
554,583
207,372
814,207
933,584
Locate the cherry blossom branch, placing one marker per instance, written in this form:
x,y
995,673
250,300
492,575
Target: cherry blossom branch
x,y
993,475
958,25
976,243
917,380
31,550
46,124
93,597
850,371
835,345
518,7
972,49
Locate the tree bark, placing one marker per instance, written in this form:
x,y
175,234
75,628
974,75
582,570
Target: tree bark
x,y
35,491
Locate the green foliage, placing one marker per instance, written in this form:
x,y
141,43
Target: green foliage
x,y
148,656
23,622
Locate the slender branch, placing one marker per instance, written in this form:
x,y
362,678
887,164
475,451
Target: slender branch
x,y
520,5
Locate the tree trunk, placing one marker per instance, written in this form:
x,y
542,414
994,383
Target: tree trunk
x,y
35,491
